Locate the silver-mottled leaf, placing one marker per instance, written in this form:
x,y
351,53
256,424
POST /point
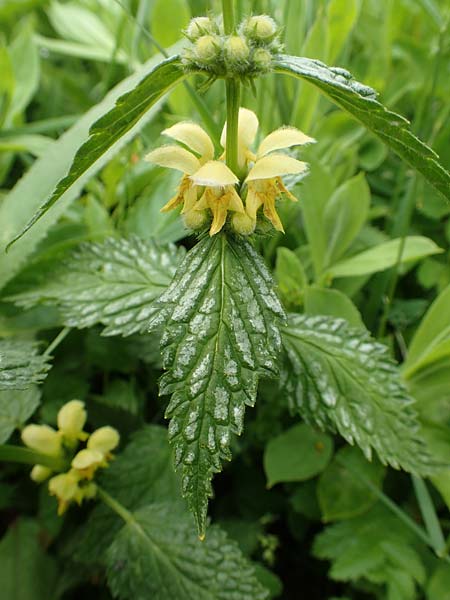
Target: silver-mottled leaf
x,y
113,283
221,331
20,364
341,379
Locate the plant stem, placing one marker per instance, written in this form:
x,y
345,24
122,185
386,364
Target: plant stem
x,y
228,16
233,92
115,506
17,454
58,339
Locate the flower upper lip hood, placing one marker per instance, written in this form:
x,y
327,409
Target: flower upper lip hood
x,y
209,185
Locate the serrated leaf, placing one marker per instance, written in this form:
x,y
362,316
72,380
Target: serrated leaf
x,y
38,183
158,556
16,407
340,493
221,332
360,101
20,364
112,129
375,545
113,282
341,379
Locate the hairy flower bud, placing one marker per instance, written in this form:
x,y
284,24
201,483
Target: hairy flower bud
x,y
262,59
71,420
207,48
260,28
195,219
236,49
42,438
200,26
243,224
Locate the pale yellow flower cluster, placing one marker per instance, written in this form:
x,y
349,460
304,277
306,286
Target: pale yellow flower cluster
x,y
76,484
208,186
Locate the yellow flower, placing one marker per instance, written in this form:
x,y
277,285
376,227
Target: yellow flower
x,y
39,473
86,462
71,420
42,438
267,166
206,184
219,194
65,487
104,440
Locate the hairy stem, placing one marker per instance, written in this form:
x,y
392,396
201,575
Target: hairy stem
x,y
233,100
228,16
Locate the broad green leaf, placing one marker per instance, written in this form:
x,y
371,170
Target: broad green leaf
x,y
317,190
360,101
432,338
345,214
341,379
342,16
157,555
333,303
20,364
16,407
384,256
112,131
341,494
169,17
297,454
25,64
220,318
438,587
291,277
26,571
375,546
73,22
33,189
113,283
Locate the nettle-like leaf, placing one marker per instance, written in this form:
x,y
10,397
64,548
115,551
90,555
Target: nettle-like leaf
x,y
375,546
20,364
114,129
160,543
341,379
113,282
221,332
360,101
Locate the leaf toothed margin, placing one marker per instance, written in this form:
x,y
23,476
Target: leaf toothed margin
x,y
341,379
221,331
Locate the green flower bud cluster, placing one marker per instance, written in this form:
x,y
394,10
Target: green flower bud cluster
x,y
245,54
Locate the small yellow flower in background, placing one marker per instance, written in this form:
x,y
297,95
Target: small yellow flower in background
x,y
71,420
42,438
104,440
65,487
208,186
39,473
76,484
86,462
